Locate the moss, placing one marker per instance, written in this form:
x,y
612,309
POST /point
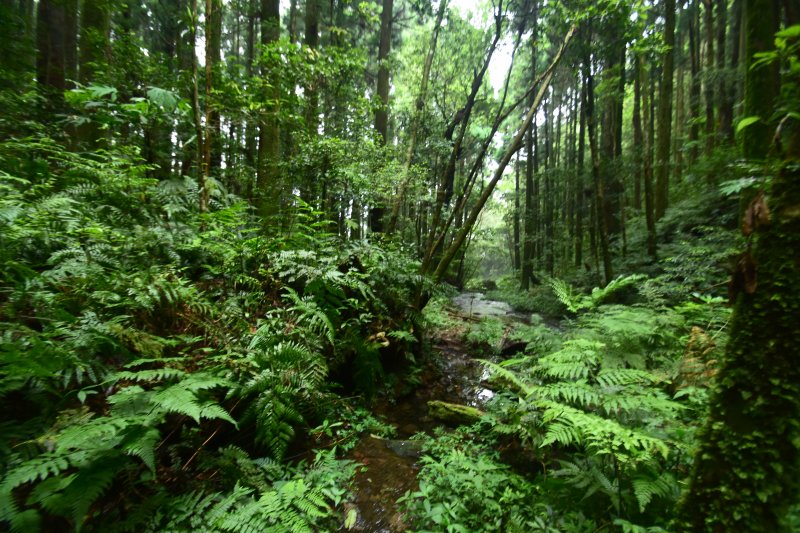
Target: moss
x,y
453,414
746,470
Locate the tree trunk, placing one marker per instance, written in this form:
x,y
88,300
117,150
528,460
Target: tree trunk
x,y
70,38
680,100
733,88
311,41
694,90
293,21
269,136
517,259
649,203
665,112
709,70
200,131
579,192
530,215
94,53
382,112
17,50
725,129
51,42
761,83
745,474
384,46
637,136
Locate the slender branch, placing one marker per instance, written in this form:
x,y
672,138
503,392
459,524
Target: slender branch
x,y
515,145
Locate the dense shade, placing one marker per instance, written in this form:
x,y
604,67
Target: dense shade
x,y
229,232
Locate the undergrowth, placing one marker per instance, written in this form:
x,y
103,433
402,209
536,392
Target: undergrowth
x,y
164,363
603,413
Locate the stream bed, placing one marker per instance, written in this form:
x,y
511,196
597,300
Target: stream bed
x,y
391,463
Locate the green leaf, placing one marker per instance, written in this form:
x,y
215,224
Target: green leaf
x,y
746,121
790,32
350,520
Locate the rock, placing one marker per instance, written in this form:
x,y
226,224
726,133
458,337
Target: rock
x,y
510,347
453,414
405,448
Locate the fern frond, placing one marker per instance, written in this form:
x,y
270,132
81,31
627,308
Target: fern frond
x,y
577,393
599,295
566,295
662,485
508,378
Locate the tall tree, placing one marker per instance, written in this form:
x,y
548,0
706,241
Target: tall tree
x,y
416,117
708,9
469,222
269,133
311,40
95,29
647,160
746,471
377,212
526,272
665,112
52,42
213,50
384,46
17,50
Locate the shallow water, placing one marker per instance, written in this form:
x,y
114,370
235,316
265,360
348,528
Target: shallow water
x,y
391,464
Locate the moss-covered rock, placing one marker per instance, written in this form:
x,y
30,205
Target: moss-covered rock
x,y
453,413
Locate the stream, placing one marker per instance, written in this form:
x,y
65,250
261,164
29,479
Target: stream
x,y
454,377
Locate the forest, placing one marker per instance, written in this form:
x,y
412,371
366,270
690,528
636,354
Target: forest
x,y
400,265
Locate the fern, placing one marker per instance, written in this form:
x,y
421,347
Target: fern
x,y
282,381
569,426
311,315
663,486
577,302
566,295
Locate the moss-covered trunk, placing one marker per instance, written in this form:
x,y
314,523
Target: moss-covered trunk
x,y
746,471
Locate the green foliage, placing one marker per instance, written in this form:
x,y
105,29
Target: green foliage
x,y
279,383
487,334
539,338
264,497
600,409
139,336
463,487
576,302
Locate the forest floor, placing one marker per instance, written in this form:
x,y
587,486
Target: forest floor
x,y
453,375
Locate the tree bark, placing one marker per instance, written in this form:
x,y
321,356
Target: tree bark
x,y
51,43
579,192
649,203
94,44
761,83
384,46
637,135
517,259
599,183
213,141
200,131
725,123
269,133
665,112
709,70
694,88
